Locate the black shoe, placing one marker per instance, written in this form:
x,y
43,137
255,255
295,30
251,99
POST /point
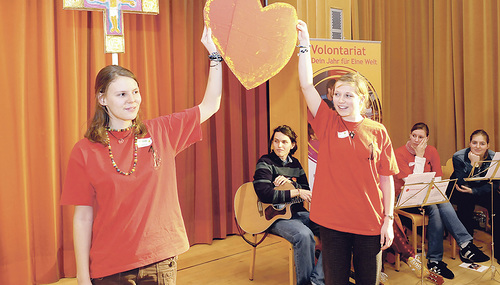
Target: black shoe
x,y
440,268
472,254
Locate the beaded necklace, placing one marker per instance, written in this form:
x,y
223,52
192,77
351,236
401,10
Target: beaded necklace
x,y
108,129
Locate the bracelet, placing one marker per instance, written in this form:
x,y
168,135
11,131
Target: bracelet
x,y
302,50
299,192
215,56
391,217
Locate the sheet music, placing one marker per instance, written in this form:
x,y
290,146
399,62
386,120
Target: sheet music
x,y
412,195
417,194
493,166
438,192
425,177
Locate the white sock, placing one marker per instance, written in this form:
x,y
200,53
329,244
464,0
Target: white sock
x,y
465,244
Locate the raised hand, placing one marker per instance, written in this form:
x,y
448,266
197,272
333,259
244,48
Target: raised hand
x,y
207,41
303,33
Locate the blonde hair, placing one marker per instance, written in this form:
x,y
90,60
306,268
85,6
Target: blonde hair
x,y
360,85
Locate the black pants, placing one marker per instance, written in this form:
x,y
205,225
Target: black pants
x,y
337,248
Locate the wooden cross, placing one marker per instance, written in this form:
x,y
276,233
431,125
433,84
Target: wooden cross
x,y
114,40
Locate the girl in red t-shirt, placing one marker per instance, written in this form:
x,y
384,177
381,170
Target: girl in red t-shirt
x,y
121,178
353,198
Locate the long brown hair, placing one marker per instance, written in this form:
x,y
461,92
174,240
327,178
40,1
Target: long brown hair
x,y
96,131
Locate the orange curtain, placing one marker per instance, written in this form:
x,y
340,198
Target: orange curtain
x,y
49,58
440,65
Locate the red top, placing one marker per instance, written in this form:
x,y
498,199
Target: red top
x,y
406,164
137,218
347,196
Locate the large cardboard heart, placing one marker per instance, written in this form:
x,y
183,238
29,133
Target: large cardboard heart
x,y
256,42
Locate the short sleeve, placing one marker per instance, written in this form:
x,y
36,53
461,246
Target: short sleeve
x,y
322,120
387,164
77,189
181,129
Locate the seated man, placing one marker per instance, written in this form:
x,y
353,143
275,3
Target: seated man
x,y
275,169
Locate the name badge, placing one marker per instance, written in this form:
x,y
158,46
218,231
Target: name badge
x,y
343,135
144,142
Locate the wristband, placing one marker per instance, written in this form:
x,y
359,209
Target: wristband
x,y
215,56
302,50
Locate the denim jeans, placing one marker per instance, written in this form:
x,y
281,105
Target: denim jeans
x,y
159,273
440,216
299,231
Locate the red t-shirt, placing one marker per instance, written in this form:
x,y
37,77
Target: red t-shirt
x,y
347,196
406,164
137,218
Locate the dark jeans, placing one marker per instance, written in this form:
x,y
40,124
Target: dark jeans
x,y
466,204
465,207
337,248
159,273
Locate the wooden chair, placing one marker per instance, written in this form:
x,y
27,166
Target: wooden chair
x,y
291,263
418,221
250,219
447,169
447,172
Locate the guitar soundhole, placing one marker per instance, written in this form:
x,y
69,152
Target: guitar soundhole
x,y
271,212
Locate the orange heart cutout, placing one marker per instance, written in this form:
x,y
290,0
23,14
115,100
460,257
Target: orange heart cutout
x,y
256,42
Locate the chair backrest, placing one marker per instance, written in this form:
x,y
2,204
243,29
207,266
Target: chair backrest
x,y
447,169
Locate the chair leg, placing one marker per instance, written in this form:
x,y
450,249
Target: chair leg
x,y
291,265
397,264
453,248
414,236
253,253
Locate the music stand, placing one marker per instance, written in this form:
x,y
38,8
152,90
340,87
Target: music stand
x,y
423,194
491,174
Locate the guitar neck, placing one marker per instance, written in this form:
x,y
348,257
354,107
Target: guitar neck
x,y
294,200
289,186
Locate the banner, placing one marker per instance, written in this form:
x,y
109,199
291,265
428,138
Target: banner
x,y
333,58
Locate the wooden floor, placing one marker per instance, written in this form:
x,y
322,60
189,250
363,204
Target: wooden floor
x,y
227,262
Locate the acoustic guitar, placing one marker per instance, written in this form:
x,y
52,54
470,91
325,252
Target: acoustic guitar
x,y
254,216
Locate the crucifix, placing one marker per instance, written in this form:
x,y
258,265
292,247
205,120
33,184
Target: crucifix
x,y
114,40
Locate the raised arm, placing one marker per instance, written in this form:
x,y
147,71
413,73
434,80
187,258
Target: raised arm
x,y
313,99
213,92
82,236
